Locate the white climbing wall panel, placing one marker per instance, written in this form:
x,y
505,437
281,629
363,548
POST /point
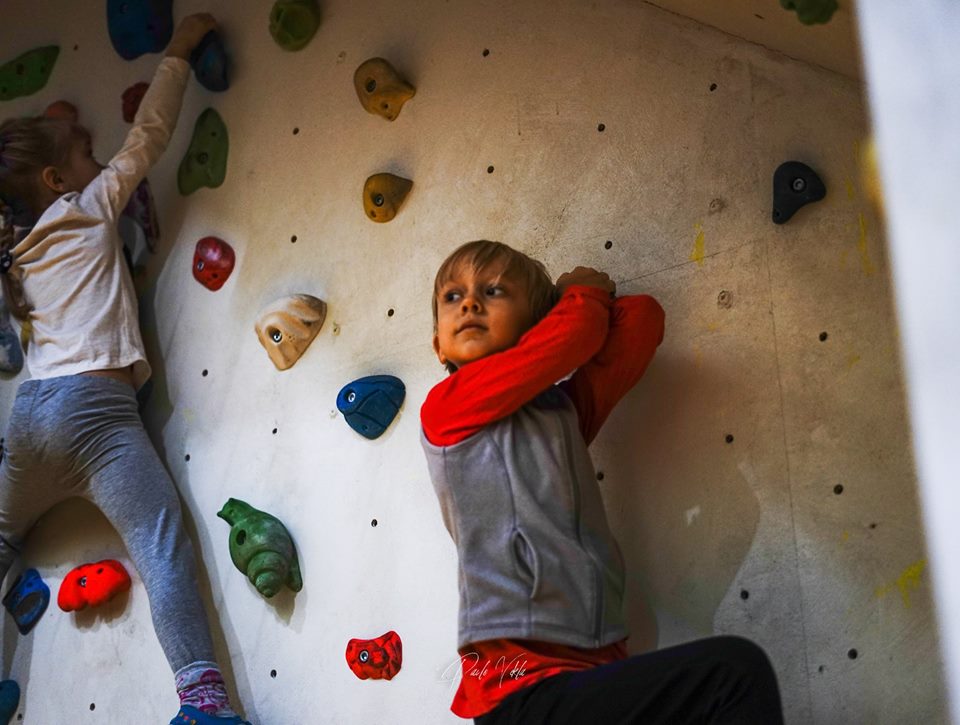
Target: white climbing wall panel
x,y
759,478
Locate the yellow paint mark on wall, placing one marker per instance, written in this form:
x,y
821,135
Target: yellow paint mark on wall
x,y
845,537
698,246
851,193
852,359
188,415
909,579
865,264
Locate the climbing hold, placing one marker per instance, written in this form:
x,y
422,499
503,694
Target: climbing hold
x,y
370,404
11,357
63,110
287,327
794,185
131,100
205,163
27,600
293,22
261,548
811,12
380,88
139,26
383,194
209,62
9,700
213,262
141,209
376,659
27,73
92,584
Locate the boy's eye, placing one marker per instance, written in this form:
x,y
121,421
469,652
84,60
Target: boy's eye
x,y
494,290
451,296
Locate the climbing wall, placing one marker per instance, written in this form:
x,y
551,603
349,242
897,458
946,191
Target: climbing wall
x,y
759,477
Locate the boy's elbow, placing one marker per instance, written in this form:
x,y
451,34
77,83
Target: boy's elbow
x,y
645,313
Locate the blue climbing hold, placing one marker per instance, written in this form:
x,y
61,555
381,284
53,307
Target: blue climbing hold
x,y
209,62
27,600
9,699
139,26
370,404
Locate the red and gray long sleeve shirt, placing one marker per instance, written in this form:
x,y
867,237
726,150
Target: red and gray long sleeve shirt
x,y
540,575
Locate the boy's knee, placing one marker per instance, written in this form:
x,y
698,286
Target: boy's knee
x,y
744,657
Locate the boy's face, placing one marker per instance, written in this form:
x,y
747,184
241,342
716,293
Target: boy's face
x,y
479,313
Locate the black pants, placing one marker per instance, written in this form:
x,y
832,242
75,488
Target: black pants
x,y
716,680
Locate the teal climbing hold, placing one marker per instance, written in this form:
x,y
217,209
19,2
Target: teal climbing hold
x,y
205,163
9,700
294,22
139,26
27,73
811,12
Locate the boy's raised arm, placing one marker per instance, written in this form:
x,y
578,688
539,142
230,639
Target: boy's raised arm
x,y
497,385
636,329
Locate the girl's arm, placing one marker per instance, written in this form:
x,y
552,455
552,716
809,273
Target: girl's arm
x,y
636,329
495,386
153,125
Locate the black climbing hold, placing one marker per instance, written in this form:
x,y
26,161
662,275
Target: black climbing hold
x,y
794,185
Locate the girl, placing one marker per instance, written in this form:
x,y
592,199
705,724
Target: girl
x,y
75,429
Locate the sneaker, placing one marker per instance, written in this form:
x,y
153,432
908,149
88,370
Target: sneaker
x,y
190,715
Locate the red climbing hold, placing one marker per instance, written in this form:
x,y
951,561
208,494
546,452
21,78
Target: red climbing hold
x,y
93,585
213,262
375,659
131,100
63,110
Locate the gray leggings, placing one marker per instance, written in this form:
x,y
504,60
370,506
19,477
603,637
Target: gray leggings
x,y
81,435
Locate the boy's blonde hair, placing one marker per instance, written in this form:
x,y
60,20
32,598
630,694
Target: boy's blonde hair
x,y
517,266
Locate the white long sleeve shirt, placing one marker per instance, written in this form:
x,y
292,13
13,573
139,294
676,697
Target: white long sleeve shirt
x,y
83,312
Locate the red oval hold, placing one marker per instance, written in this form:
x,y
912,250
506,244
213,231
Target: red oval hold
x,y
131,100
375,659
213,262
92,584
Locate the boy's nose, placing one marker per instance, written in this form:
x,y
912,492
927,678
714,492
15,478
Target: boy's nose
x,y
470,304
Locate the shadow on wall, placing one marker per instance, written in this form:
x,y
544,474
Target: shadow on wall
x,y
684,515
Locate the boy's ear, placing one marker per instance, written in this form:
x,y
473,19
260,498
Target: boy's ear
x,y
52,179
436,348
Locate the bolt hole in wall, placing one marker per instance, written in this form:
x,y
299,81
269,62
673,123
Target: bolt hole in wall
x,y
608,244
729,438
390,312
293,239
273,673
274,431
486,52
373,523
599,475
744,594
823,337
838,489
713,87
601,128
93,706
853,654
187,457
296,130
489,169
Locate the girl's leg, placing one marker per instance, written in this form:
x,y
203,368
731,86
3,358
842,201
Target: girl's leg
x,y
30,483
716,680
127,481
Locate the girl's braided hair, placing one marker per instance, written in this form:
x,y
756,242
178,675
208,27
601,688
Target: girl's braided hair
x,y
27,146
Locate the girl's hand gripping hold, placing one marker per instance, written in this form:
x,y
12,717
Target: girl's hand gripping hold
x,y
189,33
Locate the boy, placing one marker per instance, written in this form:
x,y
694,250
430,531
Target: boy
x,y
541,631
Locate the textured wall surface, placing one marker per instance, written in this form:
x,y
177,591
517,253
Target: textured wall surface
x,y
759,477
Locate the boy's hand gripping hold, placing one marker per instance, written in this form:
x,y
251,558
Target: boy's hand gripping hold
x,y
189,33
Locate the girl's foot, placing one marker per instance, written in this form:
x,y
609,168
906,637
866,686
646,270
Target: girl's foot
x,y
189,715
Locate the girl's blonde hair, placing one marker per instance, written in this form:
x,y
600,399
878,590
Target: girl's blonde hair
x,y
517,266
27,146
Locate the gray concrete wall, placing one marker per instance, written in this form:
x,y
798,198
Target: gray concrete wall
x,y
751,536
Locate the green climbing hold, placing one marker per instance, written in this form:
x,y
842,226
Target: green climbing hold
x,y
205,163
261,548
293,22
811,12
28,73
